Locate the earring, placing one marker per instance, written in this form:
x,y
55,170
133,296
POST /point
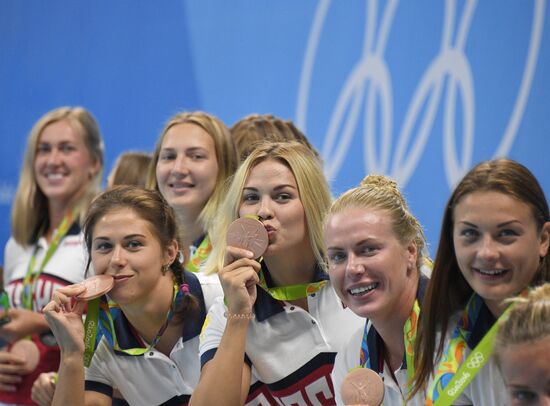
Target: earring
x,y
165,268
180,257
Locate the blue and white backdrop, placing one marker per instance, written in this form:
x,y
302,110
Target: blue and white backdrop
x,y
420,90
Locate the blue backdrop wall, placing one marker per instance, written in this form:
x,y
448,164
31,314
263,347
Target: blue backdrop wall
x,y
420,90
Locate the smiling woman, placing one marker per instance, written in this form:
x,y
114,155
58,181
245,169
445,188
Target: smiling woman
x,y
61,173
374,250
493,246
149,349
193,159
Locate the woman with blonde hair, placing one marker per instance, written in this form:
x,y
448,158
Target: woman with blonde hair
x,y
193,159
275,337
374,250
61,172
522,349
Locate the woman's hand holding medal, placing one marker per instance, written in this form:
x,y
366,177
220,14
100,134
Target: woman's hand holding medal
x,y
64,312
247,239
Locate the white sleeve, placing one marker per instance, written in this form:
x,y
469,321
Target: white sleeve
x,y
211,288
212,331
97,371
13,254
346,359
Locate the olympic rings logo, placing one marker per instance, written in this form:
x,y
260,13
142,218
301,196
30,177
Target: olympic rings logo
x,y
448,75
475,360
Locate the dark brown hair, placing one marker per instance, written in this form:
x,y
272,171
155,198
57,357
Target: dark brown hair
x,y
447,290
150,206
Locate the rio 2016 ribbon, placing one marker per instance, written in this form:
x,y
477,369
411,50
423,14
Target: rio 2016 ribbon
x,y
199,256
452,376
291,292
4,307
410,329
32,275
99,317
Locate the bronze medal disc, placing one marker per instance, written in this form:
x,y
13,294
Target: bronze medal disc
x,y
362,386
249,234
96,286
29,351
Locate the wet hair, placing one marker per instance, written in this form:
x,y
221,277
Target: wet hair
x,y
30,208
381,193
527,322
151,207
226,156
312,188
257,128
448,290
131,169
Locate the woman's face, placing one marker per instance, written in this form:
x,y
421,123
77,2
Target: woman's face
x,y
370,269
271,193
124,246
497,245
63,166
526,372
187,168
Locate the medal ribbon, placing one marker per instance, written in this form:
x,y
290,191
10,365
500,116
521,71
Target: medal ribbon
x,y
31,276
4,307
451,376
291,292
409,336
99,317
199,256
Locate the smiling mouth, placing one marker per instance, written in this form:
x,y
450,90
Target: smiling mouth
x,y
363,290
54,176
491,273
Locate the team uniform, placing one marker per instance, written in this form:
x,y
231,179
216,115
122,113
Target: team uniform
x,y
66,266
153,378
487,387
291,352
348,358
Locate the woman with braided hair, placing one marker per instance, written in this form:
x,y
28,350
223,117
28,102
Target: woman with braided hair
x,y
149,348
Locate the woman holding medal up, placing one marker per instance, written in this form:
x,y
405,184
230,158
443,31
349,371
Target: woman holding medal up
x,y
493,246
149,343
61,173
194,157
277,333
374,250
